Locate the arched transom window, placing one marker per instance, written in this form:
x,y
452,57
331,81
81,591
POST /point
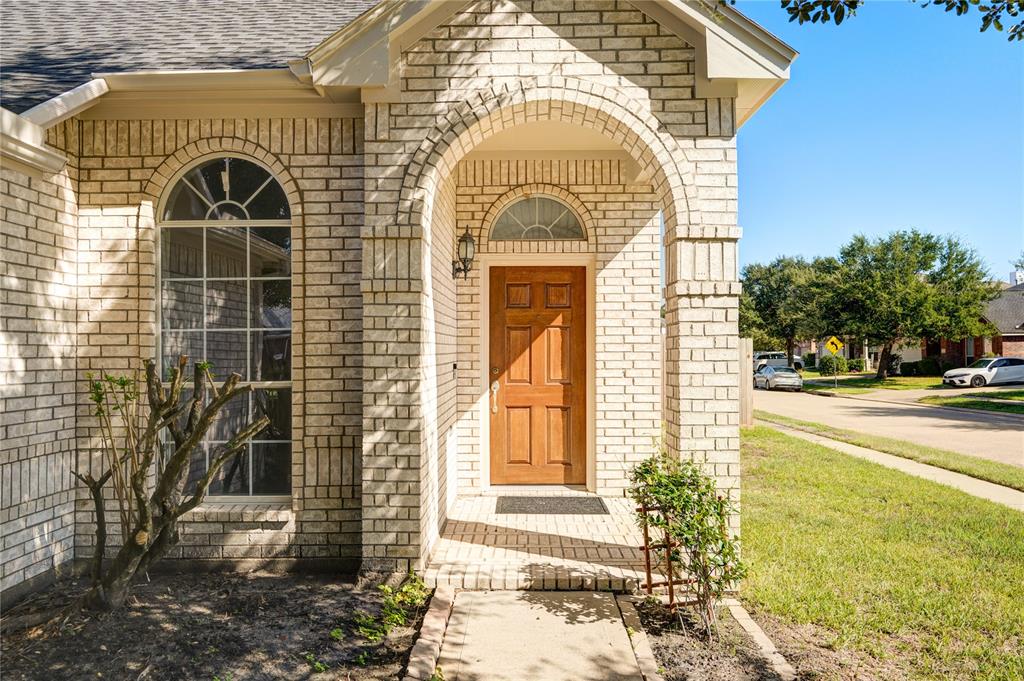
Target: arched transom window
x,y
226,298
537,218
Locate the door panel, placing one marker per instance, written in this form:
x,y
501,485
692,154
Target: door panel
x,y
538,364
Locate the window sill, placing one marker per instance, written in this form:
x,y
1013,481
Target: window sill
x,y
238,512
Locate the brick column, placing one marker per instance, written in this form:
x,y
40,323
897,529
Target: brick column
x,y
392,287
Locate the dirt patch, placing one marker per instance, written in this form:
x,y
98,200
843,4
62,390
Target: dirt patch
x,y
811,651
683,653
212,626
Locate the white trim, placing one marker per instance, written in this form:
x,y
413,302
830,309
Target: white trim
x,y
489,260
66,105
23,146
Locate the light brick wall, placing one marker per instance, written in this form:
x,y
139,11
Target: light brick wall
x,y
439,349
37,368
95,306
126,167
601,65
621,220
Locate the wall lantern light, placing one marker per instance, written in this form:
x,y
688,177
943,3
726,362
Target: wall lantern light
x,y
466,252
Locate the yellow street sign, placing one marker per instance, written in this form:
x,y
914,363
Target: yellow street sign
x,y
834,345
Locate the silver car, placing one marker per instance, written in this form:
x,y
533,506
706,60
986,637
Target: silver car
x,y
778,378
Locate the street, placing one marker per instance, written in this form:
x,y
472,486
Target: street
x,y
986,435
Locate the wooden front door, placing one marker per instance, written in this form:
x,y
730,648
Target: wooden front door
x,y
537,392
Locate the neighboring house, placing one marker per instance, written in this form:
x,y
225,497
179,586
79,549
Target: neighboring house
x,y
281,187
1005,313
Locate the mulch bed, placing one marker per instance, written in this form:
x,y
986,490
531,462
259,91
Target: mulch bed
x,y
684,653
209,626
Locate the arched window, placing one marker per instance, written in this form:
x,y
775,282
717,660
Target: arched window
x,y
537,218
225,297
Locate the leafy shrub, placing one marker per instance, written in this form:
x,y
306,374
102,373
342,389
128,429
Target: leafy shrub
x,y
945,366
394,609
929,366
856,364
689,508
910,369
830,365
810,359
989,354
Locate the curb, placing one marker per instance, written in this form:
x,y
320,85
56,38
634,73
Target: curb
x,y
638,639
426,651
782,668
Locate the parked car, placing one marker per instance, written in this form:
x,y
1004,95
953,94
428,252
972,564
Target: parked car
x,y
778,378
776,359
986,372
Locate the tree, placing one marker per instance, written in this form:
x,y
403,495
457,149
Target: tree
x,y
1018,264
826,11
909,285
148,476
781,294
752,326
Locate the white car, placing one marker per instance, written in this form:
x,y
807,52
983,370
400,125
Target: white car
x,y
986,372
775,359
778,378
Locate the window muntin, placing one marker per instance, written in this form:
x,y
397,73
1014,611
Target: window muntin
x,y
227,188
225,291
537,218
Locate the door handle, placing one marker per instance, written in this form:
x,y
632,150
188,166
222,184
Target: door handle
x,y
494,397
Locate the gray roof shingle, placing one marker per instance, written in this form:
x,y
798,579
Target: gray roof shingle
x,y
50,46
1006,312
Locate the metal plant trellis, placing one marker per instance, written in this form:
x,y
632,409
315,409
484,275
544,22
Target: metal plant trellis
x,y
666,546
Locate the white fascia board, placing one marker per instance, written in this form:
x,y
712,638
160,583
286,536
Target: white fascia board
x,y
66,105
735,57
22,146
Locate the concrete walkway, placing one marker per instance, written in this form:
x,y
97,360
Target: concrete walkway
x,y
965,483
537,636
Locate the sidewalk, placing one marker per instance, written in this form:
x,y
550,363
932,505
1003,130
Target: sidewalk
x,y
965,483
537,636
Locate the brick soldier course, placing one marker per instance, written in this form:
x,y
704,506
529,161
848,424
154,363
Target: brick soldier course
x,y
382,174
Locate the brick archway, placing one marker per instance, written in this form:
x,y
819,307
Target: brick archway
x,y
568,100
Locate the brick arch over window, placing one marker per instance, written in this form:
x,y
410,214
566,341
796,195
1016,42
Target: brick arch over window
x,y
195,152
541,189
588,105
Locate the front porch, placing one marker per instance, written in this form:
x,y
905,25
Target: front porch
x,y
480,548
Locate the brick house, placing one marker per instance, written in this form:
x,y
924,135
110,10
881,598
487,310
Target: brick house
x,y
1004,313
281,189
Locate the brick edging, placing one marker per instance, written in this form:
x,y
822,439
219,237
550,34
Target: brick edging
x,y
783,669
426,651
638,639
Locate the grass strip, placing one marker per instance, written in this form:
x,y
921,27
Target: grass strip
x,y
982,469
917,574
974,403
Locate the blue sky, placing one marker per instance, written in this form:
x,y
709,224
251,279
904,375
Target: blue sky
x,y
904,116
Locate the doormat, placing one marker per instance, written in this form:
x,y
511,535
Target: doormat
x,y
551,505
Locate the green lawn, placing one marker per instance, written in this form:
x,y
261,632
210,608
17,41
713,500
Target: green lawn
x,y
965,402
869,382
1004,395
983,469
902,569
